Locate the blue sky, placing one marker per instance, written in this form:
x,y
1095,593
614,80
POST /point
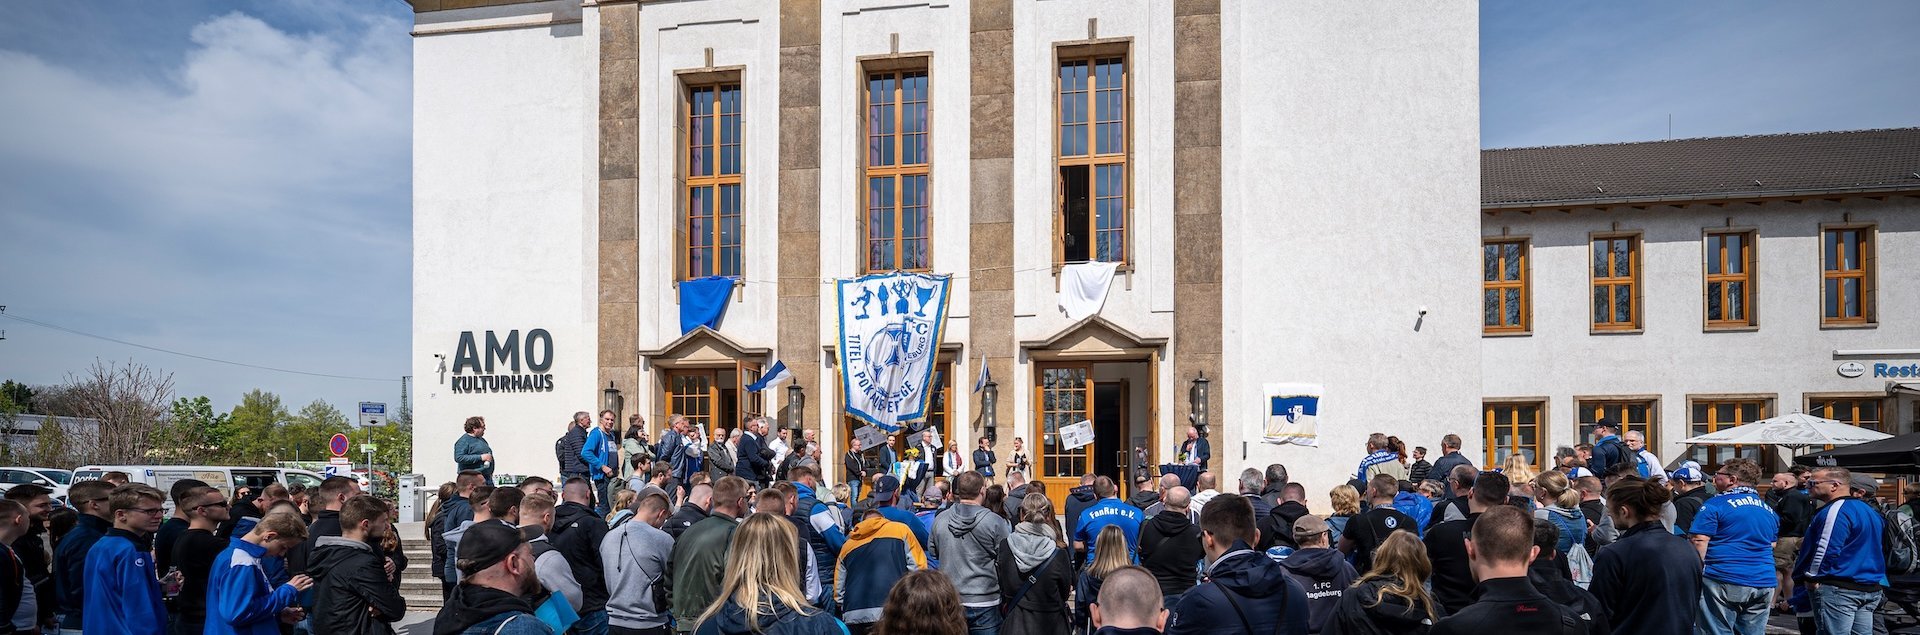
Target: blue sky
x,y
233,179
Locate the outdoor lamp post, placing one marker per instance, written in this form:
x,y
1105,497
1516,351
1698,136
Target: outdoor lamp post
x,y
989,409
796,407
1197,403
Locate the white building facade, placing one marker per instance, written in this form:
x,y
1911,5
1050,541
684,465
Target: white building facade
x,y
1288,189
1680,287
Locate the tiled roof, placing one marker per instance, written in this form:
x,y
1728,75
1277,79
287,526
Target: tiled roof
x,y
1715,167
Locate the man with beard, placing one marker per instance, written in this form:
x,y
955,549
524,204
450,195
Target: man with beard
x,y
491,599
351,593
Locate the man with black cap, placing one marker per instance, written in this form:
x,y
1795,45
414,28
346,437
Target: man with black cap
x,y
492,597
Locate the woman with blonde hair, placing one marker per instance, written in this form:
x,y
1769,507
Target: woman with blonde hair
x,y
622,507
1390,599
760,592
922,603
1036,572
1520,473
1559,504
1346,505
1109,553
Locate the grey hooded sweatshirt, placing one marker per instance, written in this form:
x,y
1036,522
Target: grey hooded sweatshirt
x,y
635,557
967,537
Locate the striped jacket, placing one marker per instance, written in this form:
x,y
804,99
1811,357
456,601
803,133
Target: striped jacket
x,y
1842,547
878,553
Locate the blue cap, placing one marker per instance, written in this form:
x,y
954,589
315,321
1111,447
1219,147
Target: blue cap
x,y
1690,474
885,488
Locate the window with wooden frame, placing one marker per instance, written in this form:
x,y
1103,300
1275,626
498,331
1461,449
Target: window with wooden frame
x,y
1846,285
1513,427
713,396
1065,397
1504,285
937,417
1616,283
711,232
1713,415
1091,144
1863,411
896,217
1729,271
1627,415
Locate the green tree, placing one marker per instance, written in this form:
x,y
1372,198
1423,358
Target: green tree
x,y
306,433
249,437
15,397
192,432
50,446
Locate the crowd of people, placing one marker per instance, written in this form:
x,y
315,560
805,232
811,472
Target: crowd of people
x,y
1605,541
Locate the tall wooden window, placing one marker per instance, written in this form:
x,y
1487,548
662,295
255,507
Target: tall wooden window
x,y
1065,398
1847,275
1729,268
1091,140
898,228
1718,414
1635,415
1616,283
711,397
1513,428
1860,411
937,419
1504,286
711,231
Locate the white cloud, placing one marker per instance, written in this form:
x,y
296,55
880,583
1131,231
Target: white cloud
x,y
250,200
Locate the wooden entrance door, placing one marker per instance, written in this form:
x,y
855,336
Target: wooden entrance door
x,y
1062,396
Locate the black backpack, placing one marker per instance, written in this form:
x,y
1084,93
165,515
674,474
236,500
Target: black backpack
x,y
1628,458
1901,540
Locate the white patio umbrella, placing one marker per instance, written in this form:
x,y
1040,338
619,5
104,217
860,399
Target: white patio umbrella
x,y
1797,430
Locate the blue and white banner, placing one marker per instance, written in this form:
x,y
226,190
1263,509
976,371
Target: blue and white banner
x,y
890,330
774,377
1293,414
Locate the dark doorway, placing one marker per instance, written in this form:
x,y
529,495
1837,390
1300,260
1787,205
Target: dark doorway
x,y
1110,430
1075,242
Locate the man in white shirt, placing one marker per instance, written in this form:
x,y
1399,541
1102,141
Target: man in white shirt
x,y
1206,486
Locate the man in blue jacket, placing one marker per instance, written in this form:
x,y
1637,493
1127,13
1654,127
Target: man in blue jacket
x,y
1109,510
472,452
1841,562
1245,592
70,559
122,591
240,600
602,454
1608,449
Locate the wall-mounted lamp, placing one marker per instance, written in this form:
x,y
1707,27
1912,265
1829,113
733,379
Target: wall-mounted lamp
x,y
796,408
610,399
989,410
1197,403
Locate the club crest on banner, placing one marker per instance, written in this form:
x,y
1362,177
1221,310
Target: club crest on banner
x,y
890,331
1292,414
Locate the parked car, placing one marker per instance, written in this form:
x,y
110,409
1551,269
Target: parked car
x,y
50,478
224,477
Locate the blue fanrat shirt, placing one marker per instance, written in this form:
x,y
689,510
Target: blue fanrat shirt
x,y
1741,529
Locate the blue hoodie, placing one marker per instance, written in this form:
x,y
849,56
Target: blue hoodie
x,y
240,600
1842,547
598,452
1263,594
122,592
69,567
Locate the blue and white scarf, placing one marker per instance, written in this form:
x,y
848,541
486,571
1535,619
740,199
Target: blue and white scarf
x,y
1378,457
1740,489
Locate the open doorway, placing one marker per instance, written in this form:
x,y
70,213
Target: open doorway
x,y
1110,451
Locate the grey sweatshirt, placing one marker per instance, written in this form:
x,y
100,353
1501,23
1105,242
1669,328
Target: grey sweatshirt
x,y
555,573
636,556
967,537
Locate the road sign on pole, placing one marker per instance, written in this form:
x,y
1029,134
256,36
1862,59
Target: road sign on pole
x,y
338,445
372,414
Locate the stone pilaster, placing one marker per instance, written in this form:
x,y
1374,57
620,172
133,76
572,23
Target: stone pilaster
x,y
799,287
1196,208
990,253
619,251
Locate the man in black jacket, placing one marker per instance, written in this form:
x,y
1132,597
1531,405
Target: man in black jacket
x,y
333,496
698,501
1276,528
751,462
1323,572
1549,577
854,465
1501,546
567,450
577,532
1446,543
1245,592
1170,545
351,591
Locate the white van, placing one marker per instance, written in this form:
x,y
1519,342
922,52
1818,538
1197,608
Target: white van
x,y
223,477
